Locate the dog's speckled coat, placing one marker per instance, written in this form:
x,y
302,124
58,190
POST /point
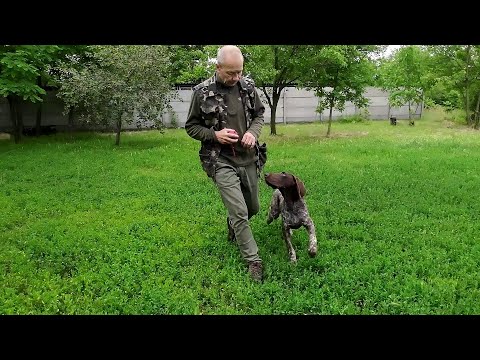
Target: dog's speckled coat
x,y
288,200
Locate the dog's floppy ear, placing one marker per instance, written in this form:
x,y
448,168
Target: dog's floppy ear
x,y
300,187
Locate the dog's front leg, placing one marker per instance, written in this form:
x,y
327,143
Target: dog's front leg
x,y
312,246
275,206
287,236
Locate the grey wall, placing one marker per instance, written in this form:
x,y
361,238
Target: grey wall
x,y
295,105
298,105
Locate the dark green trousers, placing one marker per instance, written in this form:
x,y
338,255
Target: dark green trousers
x,y
238,187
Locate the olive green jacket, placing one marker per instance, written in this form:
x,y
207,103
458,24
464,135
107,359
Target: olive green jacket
x,y
213,107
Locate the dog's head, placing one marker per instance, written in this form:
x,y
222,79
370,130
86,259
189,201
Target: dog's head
x,y
288,184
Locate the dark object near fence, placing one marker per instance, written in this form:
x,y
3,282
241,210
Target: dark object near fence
x,y
44,130
411,122
393,120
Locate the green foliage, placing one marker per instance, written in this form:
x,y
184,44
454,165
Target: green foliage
x,y
120,84
275,66
361,117
444,95
19,70
346,69
89,228
173,117
25,73
454,115
21,66
455,70
191,64
340,74
405,75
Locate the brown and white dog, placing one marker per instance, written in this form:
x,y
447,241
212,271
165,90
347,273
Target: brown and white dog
x,y
288,200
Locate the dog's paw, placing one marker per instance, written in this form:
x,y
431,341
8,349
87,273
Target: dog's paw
x,y
312,251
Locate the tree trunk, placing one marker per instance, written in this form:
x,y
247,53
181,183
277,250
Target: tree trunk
x,y
477,115
467,84
119,129
70,120
19,121
273,112
38,120
15,118
273,129
330,118
422,105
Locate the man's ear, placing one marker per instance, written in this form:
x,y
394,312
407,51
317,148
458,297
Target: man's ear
x,y
300,187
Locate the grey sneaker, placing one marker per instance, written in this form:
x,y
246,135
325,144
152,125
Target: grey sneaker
x,y
231,233
255,268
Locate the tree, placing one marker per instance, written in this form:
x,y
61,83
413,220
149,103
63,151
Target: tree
x,y
191,64
405,76
22,68
121,84
340,73
457,73
70,56
274,67
26,72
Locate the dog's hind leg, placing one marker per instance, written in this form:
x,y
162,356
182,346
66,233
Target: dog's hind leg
x,y
287,236
312,245
275,206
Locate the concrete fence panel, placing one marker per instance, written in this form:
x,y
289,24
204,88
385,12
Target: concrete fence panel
x,y
295,105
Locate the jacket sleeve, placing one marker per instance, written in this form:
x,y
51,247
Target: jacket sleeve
x,y
195,125
258,117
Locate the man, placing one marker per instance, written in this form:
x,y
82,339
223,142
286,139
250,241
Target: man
x,y
226,115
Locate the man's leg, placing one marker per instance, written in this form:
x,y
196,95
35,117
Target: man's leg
x,y
229,185
249,186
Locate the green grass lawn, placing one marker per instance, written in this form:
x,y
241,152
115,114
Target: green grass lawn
x,y
90,228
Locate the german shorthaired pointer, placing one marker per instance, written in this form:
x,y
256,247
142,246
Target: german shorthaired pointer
x,y
288,200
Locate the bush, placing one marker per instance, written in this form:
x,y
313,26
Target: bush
x,y
455,115
357,118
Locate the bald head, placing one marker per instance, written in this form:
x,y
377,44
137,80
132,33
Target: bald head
x,y
229,64
227,53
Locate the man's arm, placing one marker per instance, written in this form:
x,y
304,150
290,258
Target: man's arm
x,y
194,126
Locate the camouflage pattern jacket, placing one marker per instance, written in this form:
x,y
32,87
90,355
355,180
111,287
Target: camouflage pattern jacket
x,y
213,117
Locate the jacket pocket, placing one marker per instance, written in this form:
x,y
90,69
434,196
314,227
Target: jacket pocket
x,y
209,111
262,156
208,158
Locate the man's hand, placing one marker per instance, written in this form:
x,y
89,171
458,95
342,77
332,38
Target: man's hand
x,y
248,140
227,136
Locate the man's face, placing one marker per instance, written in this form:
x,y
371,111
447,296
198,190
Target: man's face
x,y
231,70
